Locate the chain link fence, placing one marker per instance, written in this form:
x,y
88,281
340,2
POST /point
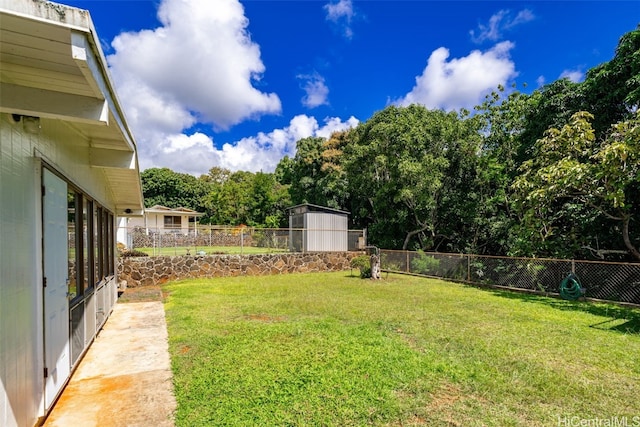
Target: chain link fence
x,y
208,240
619,282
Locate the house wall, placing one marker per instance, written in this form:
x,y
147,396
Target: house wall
x,y
21,291
326,232
155,222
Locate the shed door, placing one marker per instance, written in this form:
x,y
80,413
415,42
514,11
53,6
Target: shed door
x,y
56,306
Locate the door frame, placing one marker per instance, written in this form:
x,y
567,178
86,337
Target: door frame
x,y
57,369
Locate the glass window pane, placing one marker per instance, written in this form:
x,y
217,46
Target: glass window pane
x,y
72,290
111,243
86,244
97,244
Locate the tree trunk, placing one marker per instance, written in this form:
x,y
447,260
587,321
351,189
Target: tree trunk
x,y
625,236
410,234
375,267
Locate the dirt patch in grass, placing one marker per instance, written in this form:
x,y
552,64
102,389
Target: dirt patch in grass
x,y
446,397
141,294
452,406
264,318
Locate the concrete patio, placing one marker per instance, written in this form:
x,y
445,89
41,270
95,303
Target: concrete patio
x,y
125,378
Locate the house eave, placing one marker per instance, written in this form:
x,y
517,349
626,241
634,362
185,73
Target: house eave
x,y
52,67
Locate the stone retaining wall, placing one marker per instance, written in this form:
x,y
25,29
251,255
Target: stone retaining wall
x,y
145,271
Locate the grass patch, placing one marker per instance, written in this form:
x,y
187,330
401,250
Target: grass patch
x,y
330,349
209,250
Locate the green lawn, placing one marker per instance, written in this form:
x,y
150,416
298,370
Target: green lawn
x,y
193,250
334,350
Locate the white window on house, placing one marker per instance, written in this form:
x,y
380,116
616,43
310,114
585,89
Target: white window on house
x,y
172,222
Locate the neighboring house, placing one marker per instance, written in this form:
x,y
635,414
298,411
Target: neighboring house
x,y
68,168
315,228
161,219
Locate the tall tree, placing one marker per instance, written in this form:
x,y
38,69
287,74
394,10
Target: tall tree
x,y
269,200
503,120
572,169
612,89
162,186
334,182
398,164
306,172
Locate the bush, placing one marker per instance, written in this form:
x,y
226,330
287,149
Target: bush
x,y
388,264
363,263
133,253
121,248
424,264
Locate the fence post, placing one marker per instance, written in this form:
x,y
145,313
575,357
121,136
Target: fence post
x,y
407,263
573,266
468,268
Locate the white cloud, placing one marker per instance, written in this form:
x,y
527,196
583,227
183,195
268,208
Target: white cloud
x,y
498,23
341,14
316,90
575,76
335,124
461,82
199,65
541,81
522,17
196,153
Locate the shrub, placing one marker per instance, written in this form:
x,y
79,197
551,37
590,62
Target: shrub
x,y
363,263
424,264
133,253
121,248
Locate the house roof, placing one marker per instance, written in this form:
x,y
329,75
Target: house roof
x,y
178,211
52,67
308,207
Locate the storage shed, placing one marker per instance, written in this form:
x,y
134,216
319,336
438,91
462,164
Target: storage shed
x,y
315,228
68,168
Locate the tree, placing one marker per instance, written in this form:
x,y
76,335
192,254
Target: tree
x,y
334,180
229,199
315,173
572,169
612,89
268,201
400,165
306,172
162,186
284,171
503,119
241,197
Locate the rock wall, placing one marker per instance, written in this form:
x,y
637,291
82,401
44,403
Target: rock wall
x,y
145,271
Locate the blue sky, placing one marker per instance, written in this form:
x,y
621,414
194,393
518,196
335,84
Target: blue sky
x,y
236,83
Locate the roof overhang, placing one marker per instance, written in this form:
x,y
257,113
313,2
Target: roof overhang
x,y
308,207
52,67
173,211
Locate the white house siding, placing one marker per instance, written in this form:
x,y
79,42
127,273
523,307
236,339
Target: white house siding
x,y
54,70
154,222
21,300
21,364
